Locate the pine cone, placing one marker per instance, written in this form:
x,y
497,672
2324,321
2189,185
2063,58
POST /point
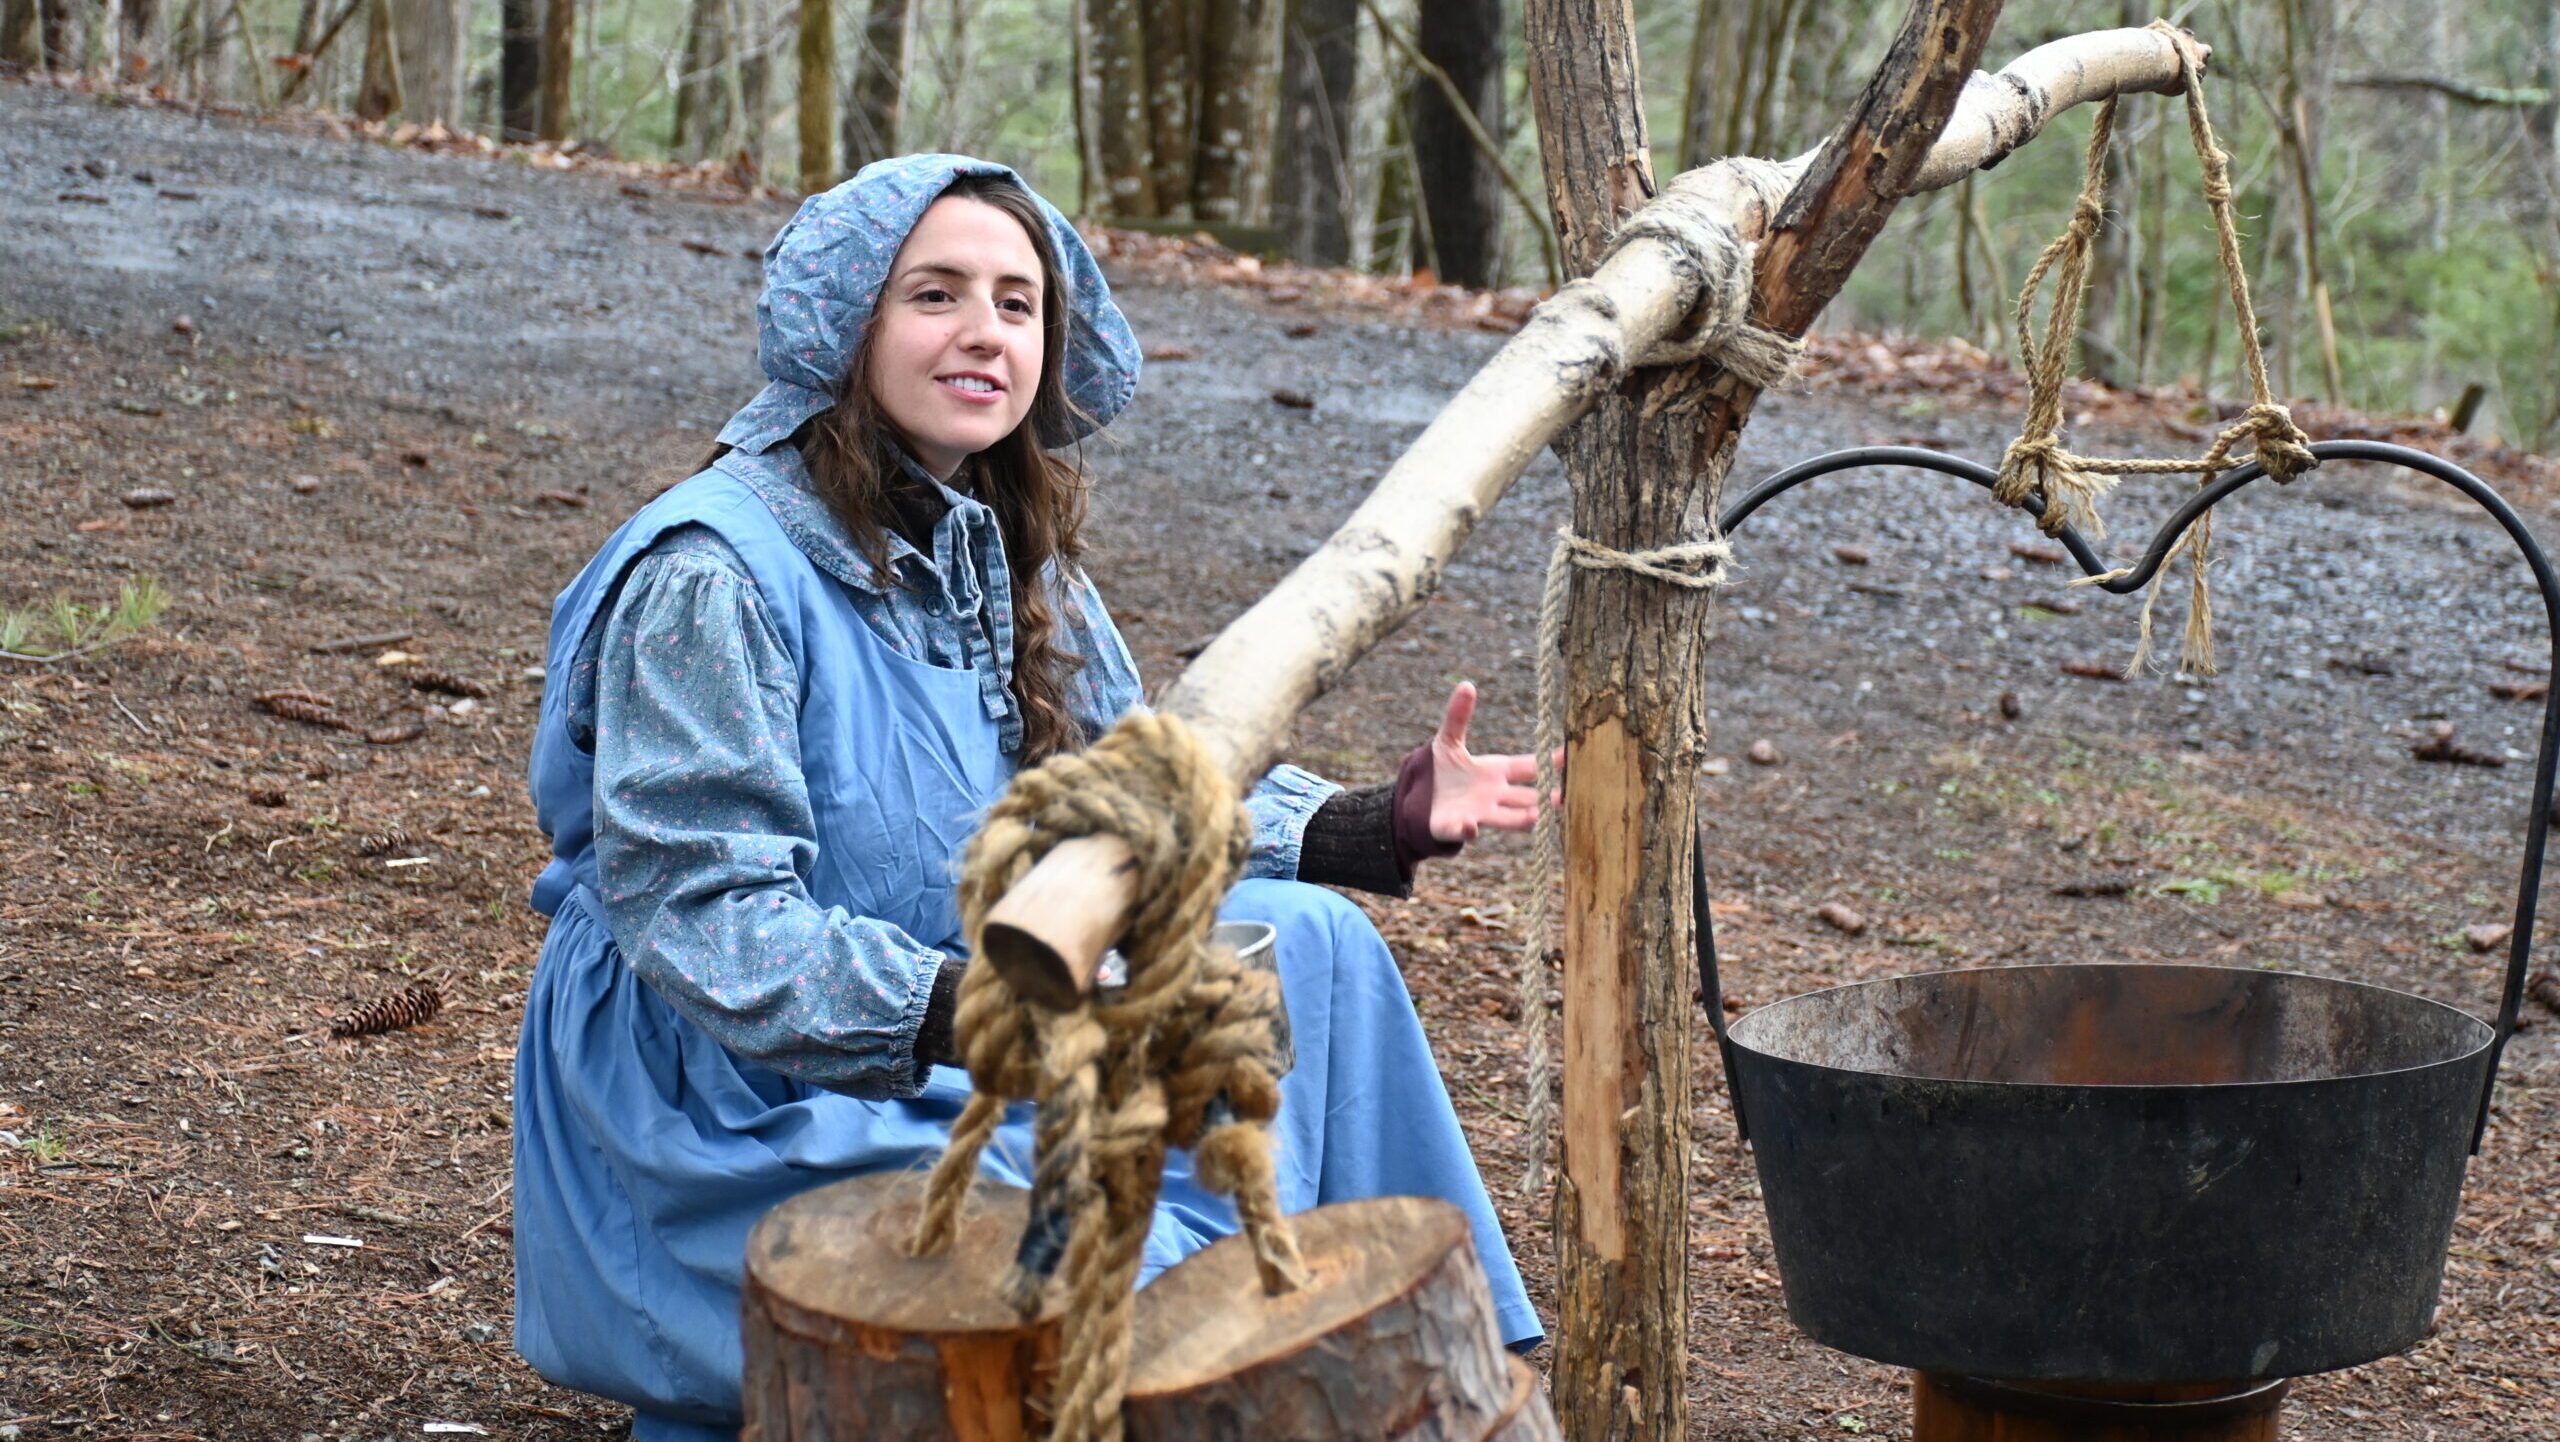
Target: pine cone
x,y
389,1013
268,699
398,734
447,683
303,711
377,843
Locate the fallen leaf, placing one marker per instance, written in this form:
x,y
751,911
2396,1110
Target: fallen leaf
x,y
1168,352
701,247
2035,554
1852,555
38,383
145,498
2094,670
1842,917
2487,936
1295,400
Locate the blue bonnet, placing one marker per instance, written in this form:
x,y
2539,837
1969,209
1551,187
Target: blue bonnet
x,y
823,273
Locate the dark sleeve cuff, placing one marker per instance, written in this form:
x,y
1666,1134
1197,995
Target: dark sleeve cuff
x,y
1350,841
935,1044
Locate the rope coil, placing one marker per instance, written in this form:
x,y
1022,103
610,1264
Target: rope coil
x,y
2071,483
1691,566
1718,327
1188,1054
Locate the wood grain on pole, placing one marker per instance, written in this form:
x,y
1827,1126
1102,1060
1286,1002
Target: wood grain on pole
x,y
1249,685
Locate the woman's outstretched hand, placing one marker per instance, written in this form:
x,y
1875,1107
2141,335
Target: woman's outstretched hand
x,y
1470,793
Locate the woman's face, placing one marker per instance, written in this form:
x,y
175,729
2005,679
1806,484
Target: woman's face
x,y
956,338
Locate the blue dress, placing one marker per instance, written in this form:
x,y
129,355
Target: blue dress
x,y
724,1012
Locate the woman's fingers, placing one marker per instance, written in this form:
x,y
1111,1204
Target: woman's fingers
x,y
1462,709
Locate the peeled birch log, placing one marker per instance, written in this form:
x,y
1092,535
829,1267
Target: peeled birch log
x,y
1394,1335
849,1339
1248,687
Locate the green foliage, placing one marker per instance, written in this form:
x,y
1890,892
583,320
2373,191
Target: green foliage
x,y
62,628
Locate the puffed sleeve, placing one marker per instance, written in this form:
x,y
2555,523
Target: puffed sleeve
x,y
705,834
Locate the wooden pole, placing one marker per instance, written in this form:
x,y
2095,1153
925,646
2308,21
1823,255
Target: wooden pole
x,y
1648,467
1248,687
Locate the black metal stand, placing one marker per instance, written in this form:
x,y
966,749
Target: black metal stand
x,y
2546,755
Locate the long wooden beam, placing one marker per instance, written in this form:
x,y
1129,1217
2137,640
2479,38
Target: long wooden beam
x,y
1247,688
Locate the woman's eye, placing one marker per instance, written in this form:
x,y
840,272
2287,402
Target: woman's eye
x,y
933,295
1021,305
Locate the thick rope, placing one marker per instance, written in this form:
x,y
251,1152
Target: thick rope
x,y
1693,566
2071,484
1718,327
1188,1054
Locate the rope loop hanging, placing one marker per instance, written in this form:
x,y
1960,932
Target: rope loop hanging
x,y
1691,566
1188,1054
1718,327
2071,484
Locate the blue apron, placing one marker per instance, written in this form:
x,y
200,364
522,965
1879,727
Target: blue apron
x,y
644,1151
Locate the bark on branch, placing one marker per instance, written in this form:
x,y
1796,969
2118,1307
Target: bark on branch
x,y
1247,688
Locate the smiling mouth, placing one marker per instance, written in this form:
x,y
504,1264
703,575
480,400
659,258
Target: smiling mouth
x,y
974,387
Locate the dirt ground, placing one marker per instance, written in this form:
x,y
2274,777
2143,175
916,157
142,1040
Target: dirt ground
x,y
397,398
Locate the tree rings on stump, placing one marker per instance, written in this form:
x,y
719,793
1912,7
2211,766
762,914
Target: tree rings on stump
x,y
850,1339
1393,1335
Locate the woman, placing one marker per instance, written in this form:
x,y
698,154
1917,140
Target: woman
x,y
778,697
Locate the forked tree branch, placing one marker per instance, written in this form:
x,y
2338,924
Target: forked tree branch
x,y
1247,688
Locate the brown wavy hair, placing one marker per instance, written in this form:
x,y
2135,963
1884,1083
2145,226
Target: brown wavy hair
x,y
852,451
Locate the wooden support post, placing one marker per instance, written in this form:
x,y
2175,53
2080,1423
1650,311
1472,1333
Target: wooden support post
x,y
1648,465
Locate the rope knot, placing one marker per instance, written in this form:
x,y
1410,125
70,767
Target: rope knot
x,y
1188,1053
2283,447
1718,327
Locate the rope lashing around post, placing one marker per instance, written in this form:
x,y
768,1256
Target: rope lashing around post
x,y
1718,328
2071,483
1186,1055
1691,566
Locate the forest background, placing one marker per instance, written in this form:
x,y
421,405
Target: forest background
x,y
2398,165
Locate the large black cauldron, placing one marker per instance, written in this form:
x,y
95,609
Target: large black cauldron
x,y
2121,1174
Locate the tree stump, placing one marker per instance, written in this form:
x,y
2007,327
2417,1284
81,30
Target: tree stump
x,y
849,1339
1393,1335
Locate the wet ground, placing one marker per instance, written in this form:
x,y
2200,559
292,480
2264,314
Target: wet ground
x,y
412,391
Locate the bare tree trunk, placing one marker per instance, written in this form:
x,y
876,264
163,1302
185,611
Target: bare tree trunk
x,y
1239,73
431,34
750,83
817,55
58,32
21,36
1648,466
879,84
1460,187
702,92
1712,71
142,40
559,65
1120,68
1092,194
1400,191
519,68
1319,70
1172,89
378,91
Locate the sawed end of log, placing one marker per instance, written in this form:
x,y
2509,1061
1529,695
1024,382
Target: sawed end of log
x,y
1047,935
